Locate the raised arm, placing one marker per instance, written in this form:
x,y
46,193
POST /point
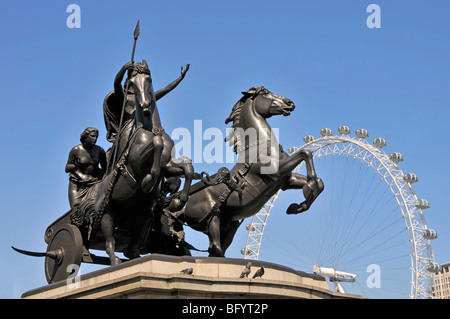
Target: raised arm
x,y
118,89
160,93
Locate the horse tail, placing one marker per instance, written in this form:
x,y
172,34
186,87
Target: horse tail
x,y
190,247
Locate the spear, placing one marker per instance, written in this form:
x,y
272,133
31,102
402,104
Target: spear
x,y
136,33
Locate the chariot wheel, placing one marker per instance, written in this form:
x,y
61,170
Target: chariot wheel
x,y
368,215
65,249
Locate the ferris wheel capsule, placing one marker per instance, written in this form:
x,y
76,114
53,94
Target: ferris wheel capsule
x,y
379,142
308,138
362,133
433,267
396,157
326,132
292,149
429,234
422,203
410,178
344,130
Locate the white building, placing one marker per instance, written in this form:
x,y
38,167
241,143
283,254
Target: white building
x,y
441,286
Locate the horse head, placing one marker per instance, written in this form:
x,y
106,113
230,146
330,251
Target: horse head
x,y
267,103
141,82
251,112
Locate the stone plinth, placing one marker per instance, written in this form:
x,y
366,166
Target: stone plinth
x,y
159,276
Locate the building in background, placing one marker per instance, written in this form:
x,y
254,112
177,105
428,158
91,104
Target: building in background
x,y
441,286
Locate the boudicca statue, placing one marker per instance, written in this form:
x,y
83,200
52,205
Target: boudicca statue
x,y
128,199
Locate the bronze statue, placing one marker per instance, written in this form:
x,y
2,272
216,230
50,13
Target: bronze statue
x,y
83,166
115,109
122,203
217,209
131,189
117,213
134,196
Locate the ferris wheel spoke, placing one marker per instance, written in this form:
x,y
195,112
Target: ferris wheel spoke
x,y
371,236
367,219
371,251
368,236
348,233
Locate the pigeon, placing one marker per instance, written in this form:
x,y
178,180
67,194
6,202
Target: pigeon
x,y
259,273
187,271
246,270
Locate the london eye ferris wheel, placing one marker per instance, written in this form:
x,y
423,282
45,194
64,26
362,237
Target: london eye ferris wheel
x,y
369,216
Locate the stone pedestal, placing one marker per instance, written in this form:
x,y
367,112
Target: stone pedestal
x,y
159,276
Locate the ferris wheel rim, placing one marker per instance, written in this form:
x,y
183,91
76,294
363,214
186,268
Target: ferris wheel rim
x,y
417,243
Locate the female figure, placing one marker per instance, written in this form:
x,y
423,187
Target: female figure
x,y
83,166
112,111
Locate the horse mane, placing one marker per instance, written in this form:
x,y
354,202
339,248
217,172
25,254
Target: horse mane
x,y
234,138
139,68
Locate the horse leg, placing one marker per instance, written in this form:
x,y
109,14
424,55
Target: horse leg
x,y
107,224
213,231
311,190
176,168
142,230
228,234
289,163
314,185
149,181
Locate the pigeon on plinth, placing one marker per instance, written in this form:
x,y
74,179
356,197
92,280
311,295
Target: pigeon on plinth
x,y
259,273
246,270
187,271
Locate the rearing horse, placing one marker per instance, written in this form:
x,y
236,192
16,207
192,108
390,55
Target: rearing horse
x,y
262,169
127,196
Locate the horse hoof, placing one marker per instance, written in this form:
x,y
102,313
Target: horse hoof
x,y
115,261
147,184
215,252
132,255
294,209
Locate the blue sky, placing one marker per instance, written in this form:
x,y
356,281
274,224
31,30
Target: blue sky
x,y
392,81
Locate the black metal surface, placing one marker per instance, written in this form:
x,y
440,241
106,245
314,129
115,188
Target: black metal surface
x,y
65,249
